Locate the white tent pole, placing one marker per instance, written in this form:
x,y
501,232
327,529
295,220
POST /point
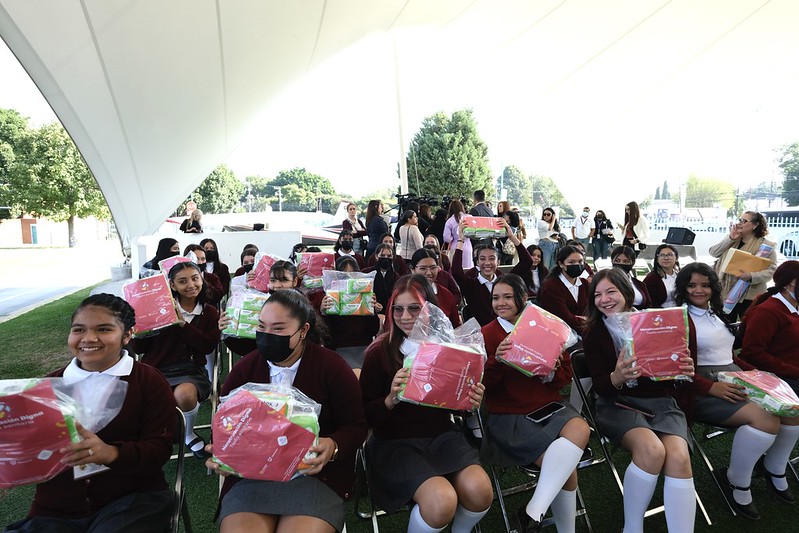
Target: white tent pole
x,y
403,166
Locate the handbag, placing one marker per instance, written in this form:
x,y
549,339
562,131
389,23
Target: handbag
x,y
508,248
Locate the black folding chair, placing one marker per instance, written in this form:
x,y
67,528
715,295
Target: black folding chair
x,y
181,510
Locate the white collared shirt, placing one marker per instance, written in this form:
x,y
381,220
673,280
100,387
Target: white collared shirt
x,y
713,339
188,316
100,394
283,375
573,289
486,283
506,325
209,267
74,373
638,298
787,304
669,282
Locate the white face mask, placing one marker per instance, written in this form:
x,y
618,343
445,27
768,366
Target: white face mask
x,y
586,213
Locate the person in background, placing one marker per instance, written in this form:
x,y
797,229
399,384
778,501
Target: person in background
x,y
583,229
635,230
480,208
412,205
502,207
247,261
623,257
297,249
425,220
537,273
437,227
522,233
385,275
443,278
357,227
564,293
345,247
214,265
747,235
451,234
411,238
375,225
193,223
215,290
417,454
425,263
548,236
432,242
603,235
660,282
770,331
588,271
512,218
400,266
167,247
643,419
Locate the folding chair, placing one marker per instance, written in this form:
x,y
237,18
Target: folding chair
x,y
580,370
362,491
710,432
181,510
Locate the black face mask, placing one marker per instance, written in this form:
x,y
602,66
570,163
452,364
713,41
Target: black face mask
x,y
431,247
574,271
211,256
384,263
346,244
626,268
248,268
201,267
275,348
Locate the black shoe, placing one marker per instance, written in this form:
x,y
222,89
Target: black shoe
x,y
199,453
528,525
745,509
587,458
785,495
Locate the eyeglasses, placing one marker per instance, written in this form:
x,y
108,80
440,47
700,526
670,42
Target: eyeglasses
x,y
744,221
547,214
426,269
413,309
667,256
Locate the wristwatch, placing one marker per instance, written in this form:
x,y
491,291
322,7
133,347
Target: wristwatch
x,y
335,452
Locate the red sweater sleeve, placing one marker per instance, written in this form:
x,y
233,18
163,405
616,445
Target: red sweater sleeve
x,y
202,334
770,339
657,290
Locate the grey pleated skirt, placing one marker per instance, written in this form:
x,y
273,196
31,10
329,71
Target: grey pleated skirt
x,y
353,355
304,496
398,467
513,440
710,409
615,421
188,373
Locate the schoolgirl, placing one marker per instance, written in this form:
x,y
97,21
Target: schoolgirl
x,y
167,247
131,494
214,265
660,282
719,403
425,263
385,275
179,351
215,289
638,413
555,444
564,293
537,273
416,453
344,247
399,264
623,257
289,352
431,241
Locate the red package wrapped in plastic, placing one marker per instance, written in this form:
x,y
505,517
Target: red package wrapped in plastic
x,y
539,338
442,376
166,264
482,227
766,390
151,299
263,431
263,266
316,263
658,338
35,423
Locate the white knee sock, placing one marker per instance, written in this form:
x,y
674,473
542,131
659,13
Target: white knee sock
x,y
465,519
564,510
559,462
639,486
209,366
191,417
780,452
416,523
679,499
747,447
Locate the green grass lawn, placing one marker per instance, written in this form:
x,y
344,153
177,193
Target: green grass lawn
x,y
35,343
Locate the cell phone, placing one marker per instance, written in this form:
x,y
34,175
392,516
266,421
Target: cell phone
x,y
625,405
539,415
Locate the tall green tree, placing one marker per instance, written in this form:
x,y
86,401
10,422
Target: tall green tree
x,y
547,194
657,193
302,191
704,192
220,192
664,192
518,185
15,139
50,179
788,159
447,156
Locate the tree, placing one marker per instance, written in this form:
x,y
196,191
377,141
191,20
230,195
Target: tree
x,y
448,157
788,159
302,191
657,193
220,192
15,138
664,192
547,194
50,179
704,192
517,184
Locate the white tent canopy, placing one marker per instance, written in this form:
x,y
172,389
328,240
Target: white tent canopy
x,y
156,94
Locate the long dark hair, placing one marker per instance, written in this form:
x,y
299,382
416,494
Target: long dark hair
x,y
163,251
456,209
619,280
300,308
556,226
417,285
282,270
563,254
204,294
344,233
631,218
684,278
371,210
119,308
626,251
532,248
658,268
519,287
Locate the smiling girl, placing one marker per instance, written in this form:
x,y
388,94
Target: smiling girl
x,y
179,351
132,492
660,282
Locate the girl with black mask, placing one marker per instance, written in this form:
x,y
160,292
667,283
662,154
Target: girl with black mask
x,y
623,257
385,275
214,265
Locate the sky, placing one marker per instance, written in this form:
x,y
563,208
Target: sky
x,y
608,111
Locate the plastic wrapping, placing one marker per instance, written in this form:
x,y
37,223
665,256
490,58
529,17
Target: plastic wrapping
x,y
766,390
444,362
539,338
741,286
353,292
151,299
658,338
483,227
166,264
264,431
315,263
38,417
243,308
261,271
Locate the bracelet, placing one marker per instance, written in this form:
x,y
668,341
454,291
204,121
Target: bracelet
x,y
460,240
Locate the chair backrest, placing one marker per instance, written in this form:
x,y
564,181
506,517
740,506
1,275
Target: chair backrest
x,y
579,364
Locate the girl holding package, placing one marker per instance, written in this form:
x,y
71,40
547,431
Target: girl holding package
x,y
770,337
660,282
179,351
564,293
289,352
555,444
215,289
131,493
639,414
719,403
417,454
623,257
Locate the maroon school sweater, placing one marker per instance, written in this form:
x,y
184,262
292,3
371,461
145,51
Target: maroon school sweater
x,y
556,298
771,334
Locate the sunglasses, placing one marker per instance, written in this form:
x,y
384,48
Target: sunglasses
x,y
413,309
